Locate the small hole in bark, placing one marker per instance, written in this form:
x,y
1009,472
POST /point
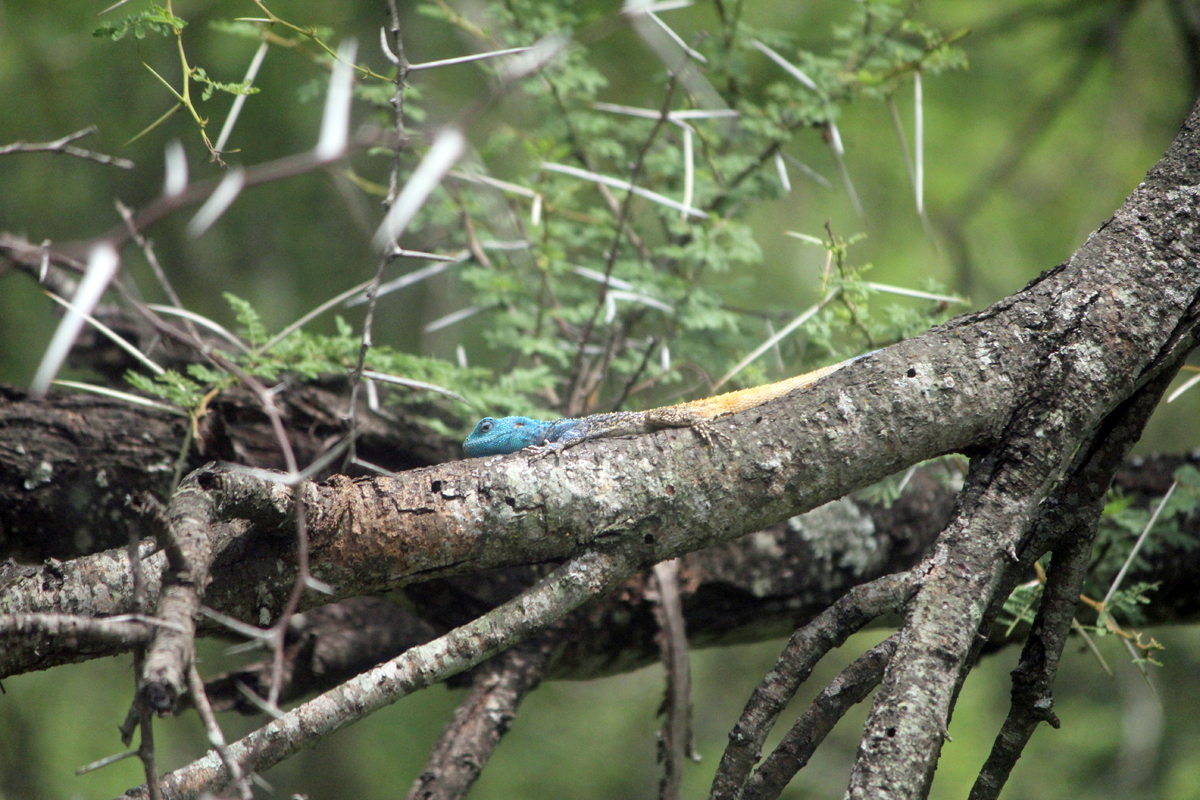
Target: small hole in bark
x,y
912,372
435,487
510,502
648,539
890,732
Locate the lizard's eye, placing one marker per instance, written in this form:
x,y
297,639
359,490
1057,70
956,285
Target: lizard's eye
x,y
485,426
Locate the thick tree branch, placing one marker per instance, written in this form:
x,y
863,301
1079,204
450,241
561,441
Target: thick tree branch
x,y
1101,349
749,589
83,636
67,464
372,534
908,721
1068,524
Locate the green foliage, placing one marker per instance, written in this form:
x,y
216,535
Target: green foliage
x,y
617,295
163,22
172,386
156,20
237,27
1021,606
1122,524
249,321
947,470
613,295
240,88
621,297
310,356
1124,606
882,42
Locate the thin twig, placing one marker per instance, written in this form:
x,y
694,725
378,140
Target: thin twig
x,y
148,250
145,749
579,580
215,737
63,146
574,398
1138,545
395,54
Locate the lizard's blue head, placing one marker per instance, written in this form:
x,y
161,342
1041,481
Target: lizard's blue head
x,y
497,437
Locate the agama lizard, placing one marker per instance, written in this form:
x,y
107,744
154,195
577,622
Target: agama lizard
x,y
494,437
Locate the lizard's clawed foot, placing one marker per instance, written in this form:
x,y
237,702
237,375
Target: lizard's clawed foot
x,y
709,432
539,451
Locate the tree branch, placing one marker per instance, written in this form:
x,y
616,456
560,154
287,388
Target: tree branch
x,y
568,587
850,687
1068,523
675,736
1153,232
803,651
64,145
483,717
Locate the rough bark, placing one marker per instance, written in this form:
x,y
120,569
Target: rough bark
x,y
69,465
1118,314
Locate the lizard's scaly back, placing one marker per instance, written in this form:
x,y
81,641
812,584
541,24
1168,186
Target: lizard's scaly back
x,y
745,399
508,435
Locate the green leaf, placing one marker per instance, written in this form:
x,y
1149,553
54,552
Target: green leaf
x,y
156,20
171,385
210,86
248,319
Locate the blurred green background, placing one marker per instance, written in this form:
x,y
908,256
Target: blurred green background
x,y
1063,109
